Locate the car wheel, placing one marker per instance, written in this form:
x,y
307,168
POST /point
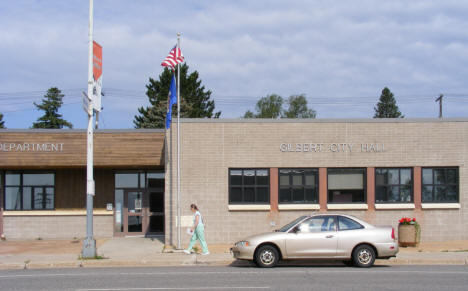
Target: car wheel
x,y
364,256
267,257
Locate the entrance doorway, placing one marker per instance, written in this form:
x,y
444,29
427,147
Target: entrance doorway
x,y
143,213
139,211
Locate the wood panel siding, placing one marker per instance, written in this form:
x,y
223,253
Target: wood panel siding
x,y
70,188
35,149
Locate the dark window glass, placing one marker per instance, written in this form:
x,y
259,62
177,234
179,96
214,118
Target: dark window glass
x,y
12,198
393,185
440,185
249,186
346,185
262,194
31,191
236,177
12,179
345,223
126,180
38,179
298,186
27,198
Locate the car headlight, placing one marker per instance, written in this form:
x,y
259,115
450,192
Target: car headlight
x,y
242,243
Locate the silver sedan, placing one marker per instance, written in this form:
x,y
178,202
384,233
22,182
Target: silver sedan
x,y
320,236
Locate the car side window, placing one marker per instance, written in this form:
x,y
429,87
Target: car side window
x,y
345,223
318,224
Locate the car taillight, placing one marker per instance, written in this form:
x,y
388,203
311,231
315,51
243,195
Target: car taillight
x,y
393,233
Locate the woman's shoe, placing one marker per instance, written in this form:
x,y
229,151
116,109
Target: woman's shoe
x,y
187,252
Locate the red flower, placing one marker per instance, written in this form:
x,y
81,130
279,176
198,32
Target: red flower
x,y
414,219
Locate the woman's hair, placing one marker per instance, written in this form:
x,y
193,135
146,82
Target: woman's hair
x,y
194,206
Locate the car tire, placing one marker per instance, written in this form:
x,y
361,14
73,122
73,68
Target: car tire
x,y
364,256
266,256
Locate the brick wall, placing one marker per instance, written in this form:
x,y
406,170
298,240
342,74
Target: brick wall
x,y
210,148
56,226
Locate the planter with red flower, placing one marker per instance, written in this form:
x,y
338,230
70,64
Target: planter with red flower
x,y
409,232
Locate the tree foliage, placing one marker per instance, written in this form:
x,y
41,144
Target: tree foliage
x,y
297,108
272,106
2,123
387,107
195,100
50,105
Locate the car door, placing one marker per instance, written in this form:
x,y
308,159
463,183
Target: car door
x,y
313,238
350,233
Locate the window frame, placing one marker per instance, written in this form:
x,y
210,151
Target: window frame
x,y
21,187
364,185
243,186
400,185
303,186
433,185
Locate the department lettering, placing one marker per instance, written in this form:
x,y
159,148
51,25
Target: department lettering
x,y
31,147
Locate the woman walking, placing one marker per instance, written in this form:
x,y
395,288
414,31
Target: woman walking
x,y
198,231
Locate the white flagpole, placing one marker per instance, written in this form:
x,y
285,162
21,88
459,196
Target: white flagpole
x,y
178,148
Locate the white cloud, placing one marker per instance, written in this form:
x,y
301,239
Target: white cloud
x,y
246,49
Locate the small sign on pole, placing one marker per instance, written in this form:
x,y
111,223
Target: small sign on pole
x,y
86,107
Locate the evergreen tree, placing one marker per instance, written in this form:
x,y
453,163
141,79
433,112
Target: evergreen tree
x,y
2,123
195,100
386,107
298,108
50,105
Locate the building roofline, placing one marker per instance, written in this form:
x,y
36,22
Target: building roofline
x,y
40,130
325,120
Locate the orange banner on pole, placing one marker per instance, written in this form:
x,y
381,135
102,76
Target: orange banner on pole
x,y
97,61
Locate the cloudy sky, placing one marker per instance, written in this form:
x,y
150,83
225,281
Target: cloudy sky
x,y
341,54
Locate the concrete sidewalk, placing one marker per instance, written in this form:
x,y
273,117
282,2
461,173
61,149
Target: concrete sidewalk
x,y
152,252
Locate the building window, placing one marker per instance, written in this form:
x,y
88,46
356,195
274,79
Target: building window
x,y
29,191
346,186
440,185
249,186
298,186
393,185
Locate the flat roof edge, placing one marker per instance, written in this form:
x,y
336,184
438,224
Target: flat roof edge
x,y
40,130
318,120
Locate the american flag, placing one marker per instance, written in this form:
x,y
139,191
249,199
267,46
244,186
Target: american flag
x,y
174,57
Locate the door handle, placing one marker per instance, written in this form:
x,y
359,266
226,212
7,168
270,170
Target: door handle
x,y
329,236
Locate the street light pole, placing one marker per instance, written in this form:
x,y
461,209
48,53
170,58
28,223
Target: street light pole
x,y
89,244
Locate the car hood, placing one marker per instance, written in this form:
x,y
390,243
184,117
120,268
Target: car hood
x,y
267,236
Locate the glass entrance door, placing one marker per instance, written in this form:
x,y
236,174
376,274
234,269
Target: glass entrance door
x,y
134,213
156,212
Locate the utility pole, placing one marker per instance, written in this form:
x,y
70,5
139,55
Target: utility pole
x,y
89,244
440,104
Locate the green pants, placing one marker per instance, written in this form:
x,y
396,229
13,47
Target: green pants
x,y
199,234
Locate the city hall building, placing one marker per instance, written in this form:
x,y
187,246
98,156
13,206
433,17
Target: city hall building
x,y
246,175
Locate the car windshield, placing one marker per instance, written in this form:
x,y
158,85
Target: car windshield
x,y
291,224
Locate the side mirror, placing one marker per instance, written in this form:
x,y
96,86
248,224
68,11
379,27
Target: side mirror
x,y
296,229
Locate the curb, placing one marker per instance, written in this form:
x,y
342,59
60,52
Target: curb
x,y
193,261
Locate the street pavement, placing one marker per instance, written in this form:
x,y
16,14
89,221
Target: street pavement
x,y
145,252
397,277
